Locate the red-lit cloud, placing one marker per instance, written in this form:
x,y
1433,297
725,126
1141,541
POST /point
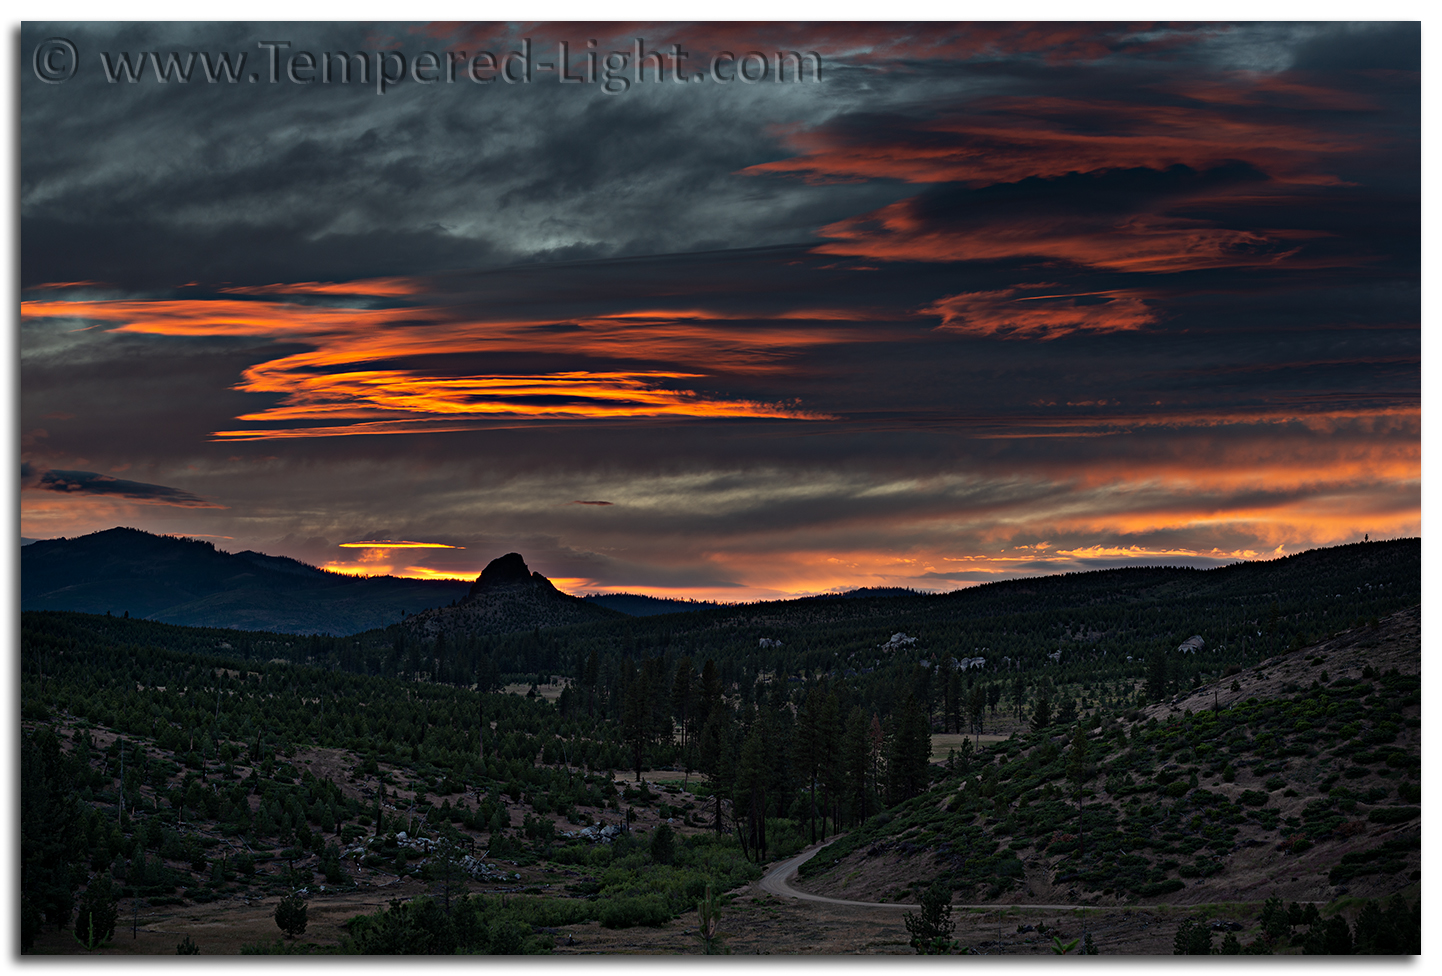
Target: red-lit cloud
x,y
390,544
1013,314
1003,140
839,42
379,287
328,381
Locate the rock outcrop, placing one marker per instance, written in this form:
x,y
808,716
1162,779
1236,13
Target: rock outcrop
x,y
506,598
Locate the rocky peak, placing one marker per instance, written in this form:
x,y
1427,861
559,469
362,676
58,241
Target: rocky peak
x,y
508,572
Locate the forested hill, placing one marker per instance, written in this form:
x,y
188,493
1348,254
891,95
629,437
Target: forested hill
x,y
188,581
640,605
1060,630
1103,623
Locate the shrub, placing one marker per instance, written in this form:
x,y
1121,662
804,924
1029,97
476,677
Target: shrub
x,y
622,913
1393,815
1155,888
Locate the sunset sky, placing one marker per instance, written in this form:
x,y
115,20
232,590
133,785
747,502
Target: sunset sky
x,y
986,300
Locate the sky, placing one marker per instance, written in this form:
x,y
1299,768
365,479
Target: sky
x,y
983,300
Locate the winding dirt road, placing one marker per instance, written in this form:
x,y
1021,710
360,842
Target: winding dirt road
x,y
776,882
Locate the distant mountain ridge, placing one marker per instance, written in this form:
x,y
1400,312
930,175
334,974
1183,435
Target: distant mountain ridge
x,y
191,582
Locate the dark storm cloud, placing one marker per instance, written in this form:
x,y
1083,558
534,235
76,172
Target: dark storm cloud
x,y
92,483
1363,46
151,185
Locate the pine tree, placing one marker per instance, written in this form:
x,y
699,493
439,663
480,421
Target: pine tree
x,y
953,707
1157,674
976,708
1079,770
95,920
1193,938
1041,712
749,798
683,690
856,752
50,842
708,915
931,929
830,765
807,753
710,691
290,915
634,714
715,759
907,761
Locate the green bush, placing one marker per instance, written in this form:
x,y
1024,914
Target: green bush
x,y
622,913
1393,815
1159,888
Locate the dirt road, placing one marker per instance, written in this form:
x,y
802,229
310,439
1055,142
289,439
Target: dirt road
x,y
776,880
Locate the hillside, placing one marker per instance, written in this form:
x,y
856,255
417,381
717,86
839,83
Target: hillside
x,y
186,581
1298,777
247,778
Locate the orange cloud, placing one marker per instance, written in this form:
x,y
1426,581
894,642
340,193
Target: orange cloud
x,y
379,287
1010,314
388,544
323,382
1142,242
389,569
